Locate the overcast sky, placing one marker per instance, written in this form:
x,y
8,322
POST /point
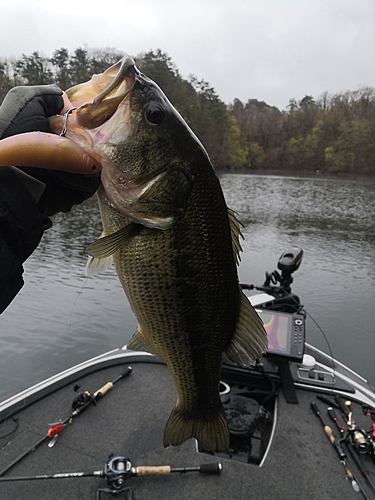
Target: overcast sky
x,y
270,50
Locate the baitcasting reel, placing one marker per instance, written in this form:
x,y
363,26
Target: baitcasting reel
x,y
117,470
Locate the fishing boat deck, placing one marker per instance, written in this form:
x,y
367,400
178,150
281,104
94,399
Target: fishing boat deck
x,y
129,421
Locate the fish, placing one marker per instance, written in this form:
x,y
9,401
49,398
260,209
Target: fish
x,y
174,242
175,246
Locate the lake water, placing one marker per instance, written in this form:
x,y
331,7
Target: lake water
x,y
61,318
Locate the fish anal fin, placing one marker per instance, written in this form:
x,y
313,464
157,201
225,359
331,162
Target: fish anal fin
x,y
212,433
138,343
249,342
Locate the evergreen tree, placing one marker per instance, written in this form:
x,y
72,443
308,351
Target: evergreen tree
x,y
33,70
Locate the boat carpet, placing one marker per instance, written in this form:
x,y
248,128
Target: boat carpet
x,y
129,421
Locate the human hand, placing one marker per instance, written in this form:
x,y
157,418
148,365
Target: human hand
x,y
26,110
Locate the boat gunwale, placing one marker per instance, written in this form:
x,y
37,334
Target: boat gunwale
x,y
27,397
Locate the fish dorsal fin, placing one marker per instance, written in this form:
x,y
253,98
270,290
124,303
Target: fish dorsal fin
x,y
138,343
250,341
235,229
108,245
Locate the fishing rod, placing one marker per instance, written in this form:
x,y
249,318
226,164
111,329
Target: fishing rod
x,y
336,444
117,470
370,412
327,399
357,458
358,437
332,415
361,466
80,403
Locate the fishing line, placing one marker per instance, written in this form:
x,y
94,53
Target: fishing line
x,y
19,408
76,300
323,333
15,420
16,425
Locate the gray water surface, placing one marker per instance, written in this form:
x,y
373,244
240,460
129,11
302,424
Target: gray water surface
x,y
61,318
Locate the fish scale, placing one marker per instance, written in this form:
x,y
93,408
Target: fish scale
x,y
175,246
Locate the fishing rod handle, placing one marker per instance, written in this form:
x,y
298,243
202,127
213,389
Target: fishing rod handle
x,y
332,415
329,433
343,408
215,468
328,400
315,408
151,471
108,386
124,374
103,390
334,442
211,468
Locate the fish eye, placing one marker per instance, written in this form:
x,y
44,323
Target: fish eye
x,y
154,114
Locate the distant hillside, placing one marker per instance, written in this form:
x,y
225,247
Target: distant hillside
x,y
332,133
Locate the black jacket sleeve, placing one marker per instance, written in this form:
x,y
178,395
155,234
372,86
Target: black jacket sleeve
x,y
29,195
21,228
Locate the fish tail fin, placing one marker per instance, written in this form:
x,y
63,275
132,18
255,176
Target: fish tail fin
x,y
212,433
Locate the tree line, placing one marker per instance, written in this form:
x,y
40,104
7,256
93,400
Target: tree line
x,y
332,133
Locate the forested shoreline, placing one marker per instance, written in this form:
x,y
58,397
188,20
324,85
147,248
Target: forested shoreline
x,y
329,134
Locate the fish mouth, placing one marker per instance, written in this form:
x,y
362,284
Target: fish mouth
x,y
109,89
147,199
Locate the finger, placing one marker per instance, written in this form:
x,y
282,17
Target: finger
x,y
49,151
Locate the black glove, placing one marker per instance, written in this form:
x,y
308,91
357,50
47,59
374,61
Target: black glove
x,y
26,109
29,195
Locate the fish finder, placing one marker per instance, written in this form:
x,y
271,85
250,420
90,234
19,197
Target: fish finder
x,y
285,332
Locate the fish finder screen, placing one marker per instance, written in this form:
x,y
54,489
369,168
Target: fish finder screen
x,y
285,333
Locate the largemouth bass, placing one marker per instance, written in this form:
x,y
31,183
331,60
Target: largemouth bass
x,y
175,246
173,240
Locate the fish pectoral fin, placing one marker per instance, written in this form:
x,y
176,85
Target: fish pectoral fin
x,y
96,266
138,343
108,245
235,229
250,341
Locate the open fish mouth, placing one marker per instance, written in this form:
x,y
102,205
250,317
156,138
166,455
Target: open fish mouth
x,y
126,103
111,88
